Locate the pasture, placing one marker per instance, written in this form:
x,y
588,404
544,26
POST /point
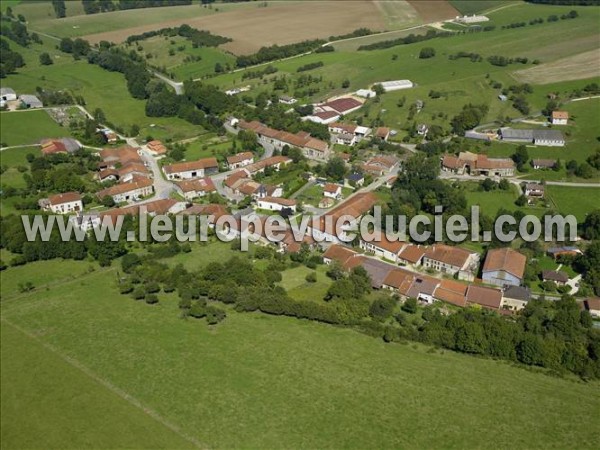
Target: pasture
x,y
574,67
26,127
578,201
100,89
258,381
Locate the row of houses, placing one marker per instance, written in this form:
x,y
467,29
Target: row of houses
x,y
311,147
425,288
352,134
478,164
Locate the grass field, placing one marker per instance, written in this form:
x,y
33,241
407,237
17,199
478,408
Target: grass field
x,y
72,410
574,67
260,381
294,281
28,127
100,89
576,201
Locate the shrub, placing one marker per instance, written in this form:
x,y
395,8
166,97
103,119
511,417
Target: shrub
x,y
311,277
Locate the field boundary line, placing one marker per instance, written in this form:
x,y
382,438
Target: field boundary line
x,y
108,385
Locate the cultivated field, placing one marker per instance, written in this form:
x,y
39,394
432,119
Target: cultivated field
x,y
256,381
576,67
278,23
434,11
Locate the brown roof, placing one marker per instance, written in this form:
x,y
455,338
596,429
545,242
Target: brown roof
x,y
132,167
393,246
199,185
412,253
234,177
240,157
484,296
317,144
505,259
386,161
454,256
560,115
248,187
348,128
161,206
253,125
339,253
453,292
592,303
267,162
324,115
50,146
331,187
399,279
483,162
211,209
157,147
452,162
135,183
279,201
122,154
343,104
191,165
66,197
382,132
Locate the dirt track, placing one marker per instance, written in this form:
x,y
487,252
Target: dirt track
x,y
278,23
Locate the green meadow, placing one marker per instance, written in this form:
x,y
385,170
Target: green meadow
x,y
578,201
26,127
256,381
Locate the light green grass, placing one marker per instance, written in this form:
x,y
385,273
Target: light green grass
x,y
47,402
101,89
274,382
578,201
294,281
29,127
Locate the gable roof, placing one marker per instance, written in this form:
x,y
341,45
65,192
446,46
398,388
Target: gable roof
x,y
383,242
561,115
484,296
239,157
555,275
134,184
517,293
454,256
65,197
505,259
412,253
199,185
453,292
204,163
339,253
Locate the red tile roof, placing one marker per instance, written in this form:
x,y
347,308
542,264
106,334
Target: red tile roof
x,y
204,163
199,185
484,296
238,158
66,197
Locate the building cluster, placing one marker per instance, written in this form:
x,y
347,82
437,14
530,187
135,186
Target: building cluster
x,y
503,268
63,145
478,164
312,148
125,166
9,99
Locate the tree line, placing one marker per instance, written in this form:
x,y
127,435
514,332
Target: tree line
x,y
198,38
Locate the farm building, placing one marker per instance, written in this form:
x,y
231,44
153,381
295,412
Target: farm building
x,y
488,298
191,169
136,188
382,133
471,19
396,85
366,93
31,101
452,261
286,100
65,203
7,95
592,305
274,161
543,163
323,117
478,164
383,247
503,267
544,138
555,252
64,145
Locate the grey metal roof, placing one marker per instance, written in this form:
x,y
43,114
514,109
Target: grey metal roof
x,y
377,270
512,133
550,135
6,90
518,293
31,100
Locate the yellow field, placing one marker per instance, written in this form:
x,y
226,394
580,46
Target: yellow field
x,y
577,67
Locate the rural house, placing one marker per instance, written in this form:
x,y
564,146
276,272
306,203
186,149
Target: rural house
x,y
452,261
240,160
514,298
191,189
560,117
276,204
135,189
383,247
65,203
